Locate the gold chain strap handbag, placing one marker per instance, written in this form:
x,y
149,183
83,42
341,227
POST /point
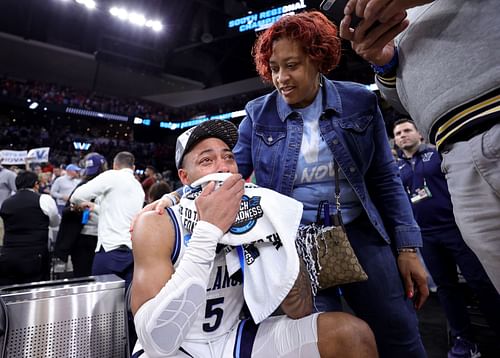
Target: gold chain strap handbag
x,y
325,248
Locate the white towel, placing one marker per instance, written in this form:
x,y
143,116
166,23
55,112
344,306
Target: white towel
x,y
261,241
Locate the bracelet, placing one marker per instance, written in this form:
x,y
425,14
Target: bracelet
x,y
412,250
388,67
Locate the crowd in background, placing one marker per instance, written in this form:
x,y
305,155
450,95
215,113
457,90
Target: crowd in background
x,y
105,137
52,93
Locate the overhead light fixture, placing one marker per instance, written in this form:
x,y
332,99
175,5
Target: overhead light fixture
x,y
89,4
135,18
155,25
119,12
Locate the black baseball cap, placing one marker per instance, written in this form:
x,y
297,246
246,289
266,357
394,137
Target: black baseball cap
x,y
214,128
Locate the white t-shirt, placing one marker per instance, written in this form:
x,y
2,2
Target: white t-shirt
x,y
121,197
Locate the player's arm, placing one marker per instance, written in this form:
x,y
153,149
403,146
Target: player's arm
x,y
299,302
164,315
166,302
152,242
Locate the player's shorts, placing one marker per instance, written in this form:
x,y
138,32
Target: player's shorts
x,y
277,337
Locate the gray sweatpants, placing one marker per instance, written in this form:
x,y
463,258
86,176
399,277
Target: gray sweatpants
x,y
472,170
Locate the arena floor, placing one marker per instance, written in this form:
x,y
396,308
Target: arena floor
x,y
433,329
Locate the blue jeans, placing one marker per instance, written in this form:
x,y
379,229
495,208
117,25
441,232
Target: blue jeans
x,y
442,252
380,301
119,262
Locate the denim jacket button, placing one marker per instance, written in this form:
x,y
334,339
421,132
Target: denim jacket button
x,y
335,141
270,139
352,169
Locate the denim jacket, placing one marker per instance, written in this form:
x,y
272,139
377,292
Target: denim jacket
x,y
269,143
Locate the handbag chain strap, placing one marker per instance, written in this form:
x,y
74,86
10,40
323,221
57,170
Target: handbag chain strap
x,y
337,185
323,216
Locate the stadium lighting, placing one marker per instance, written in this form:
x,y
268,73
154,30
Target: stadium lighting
x,y
119,12
155,25
89,4
33,105
135,18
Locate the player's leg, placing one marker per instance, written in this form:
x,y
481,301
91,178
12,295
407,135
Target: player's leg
x,y
333,334
343,335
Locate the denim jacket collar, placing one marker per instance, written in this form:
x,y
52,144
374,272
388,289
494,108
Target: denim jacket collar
x,y
331,100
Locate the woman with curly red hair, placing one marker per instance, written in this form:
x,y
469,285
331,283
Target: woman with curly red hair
x,y
291,139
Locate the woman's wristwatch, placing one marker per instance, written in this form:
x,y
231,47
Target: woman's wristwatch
x,y
407,249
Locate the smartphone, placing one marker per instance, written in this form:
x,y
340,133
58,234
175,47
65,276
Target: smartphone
x,y
85,216
334,10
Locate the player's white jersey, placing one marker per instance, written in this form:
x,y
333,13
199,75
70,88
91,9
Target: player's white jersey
x,y
224,295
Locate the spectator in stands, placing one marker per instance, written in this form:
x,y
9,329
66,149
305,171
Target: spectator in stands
x,y
47,168
443,249
63,186
120,197
27,216
77,235
169,178
37,168
157,190
454,97
7,188
44,179
292,139
149,180
7,183
56,173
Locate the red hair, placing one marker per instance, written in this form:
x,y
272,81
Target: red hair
x,y
316,34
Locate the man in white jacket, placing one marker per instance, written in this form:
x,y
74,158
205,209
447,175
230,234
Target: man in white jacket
x,y
121,198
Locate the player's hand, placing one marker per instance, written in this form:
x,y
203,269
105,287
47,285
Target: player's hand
x,y
414,278
220,206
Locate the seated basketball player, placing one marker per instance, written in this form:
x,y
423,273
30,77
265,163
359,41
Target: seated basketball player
x,y
181,311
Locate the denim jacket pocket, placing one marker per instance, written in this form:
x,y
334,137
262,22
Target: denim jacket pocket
x,y
359,137
270,136
357,123
269,150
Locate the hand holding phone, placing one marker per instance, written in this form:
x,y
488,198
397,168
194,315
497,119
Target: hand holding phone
x,y
334,10
85,216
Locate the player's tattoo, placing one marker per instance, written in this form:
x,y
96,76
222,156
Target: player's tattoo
x,y
299,301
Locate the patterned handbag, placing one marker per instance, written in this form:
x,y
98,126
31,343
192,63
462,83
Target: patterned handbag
x,y
325,248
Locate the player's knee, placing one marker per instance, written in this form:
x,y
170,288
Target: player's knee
x,y
343,335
